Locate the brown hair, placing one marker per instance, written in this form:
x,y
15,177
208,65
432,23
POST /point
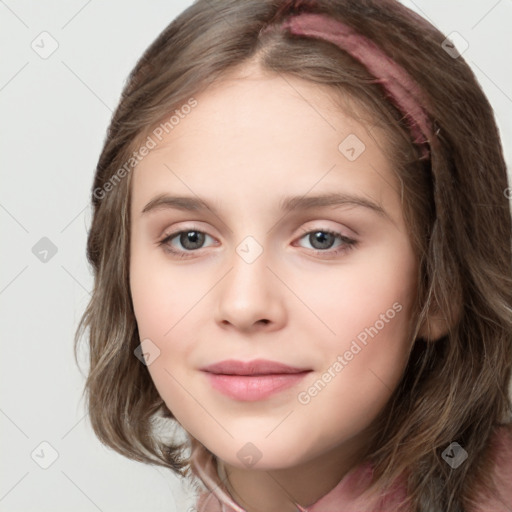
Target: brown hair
x,y
454,388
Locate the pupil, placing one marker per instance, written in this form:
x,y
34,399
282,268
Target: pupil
x,y
191,238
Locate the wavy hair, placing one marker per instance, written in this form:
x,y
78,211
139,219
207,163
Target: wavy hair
x,y
455,387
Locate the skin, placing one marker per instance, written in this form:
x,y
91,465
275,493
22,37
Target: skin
x,y
244,146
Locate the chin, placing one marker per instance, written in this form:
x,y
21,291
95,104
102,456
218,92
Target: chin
x,y
264,455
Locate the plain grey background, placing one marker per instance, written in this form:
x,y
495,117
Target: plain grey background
x,y
54,112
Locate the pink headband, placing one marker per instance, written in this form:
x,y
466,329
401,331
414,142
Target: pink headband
x,y
403,91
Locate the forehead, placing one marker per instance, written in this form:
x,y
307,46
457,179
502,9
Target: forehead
x,y
257,132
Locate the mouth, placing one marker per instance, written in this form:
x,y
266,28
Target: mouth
x,y
253,380
255,367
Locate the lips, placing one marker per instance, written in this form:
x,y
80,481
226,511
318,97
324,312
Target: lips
x,y
255,367
253,380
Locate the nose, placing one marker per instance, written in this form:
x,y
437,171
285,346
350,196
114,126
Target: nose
x,y
250,296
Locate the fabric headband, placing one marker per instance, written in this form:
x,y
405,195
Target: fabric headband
x,y
402,90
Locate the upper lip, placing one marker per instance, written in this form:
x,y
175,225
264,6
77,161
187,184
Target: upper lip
x,y
255,367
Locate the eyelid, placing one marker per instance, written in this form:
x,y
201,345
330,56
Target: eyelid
x,y
173,233
350,233
303,231
184,226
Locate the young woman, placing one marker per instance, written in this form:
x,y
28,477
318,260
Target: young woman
x,y
301,245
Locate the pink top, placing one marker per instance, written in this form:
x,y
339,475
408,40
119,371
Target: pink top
x,y
345,496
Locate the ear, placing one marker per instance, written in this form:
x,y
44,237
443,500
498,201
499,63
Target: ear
x,y
434,327
438,323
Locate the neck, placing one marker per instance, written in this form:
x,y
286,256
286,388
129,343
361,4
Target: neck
x,y
277,490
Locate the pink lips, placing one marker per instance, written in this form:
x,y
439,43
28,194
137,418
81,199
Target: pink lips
x,y
252,380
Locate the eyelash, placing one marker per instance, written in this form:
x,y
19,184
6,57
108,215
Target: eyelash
x,y
348,243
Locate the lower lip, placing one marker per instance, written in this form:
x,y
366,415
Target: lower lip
x,y
252,388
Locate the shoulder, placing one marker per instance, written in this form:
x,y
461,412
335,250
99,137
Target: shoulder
x,y
500,448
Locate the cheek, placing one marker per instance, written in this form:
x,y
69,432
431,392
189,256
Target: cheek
x,y
150,302
162,292
166,304
376,290
158,310
368,312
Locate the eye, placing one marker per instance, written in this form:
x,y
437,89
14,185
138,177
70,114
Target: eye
x,y
190,239
322,241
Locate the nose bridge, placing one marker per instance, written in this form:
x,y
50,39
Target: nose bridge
x,y
248,292
249,274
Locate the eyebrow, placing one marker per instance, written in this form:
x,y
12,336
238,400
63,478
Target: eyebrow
x,y
196,204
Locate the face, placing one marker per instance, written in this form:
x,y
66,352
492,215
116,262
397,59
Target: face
x,y
324,286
